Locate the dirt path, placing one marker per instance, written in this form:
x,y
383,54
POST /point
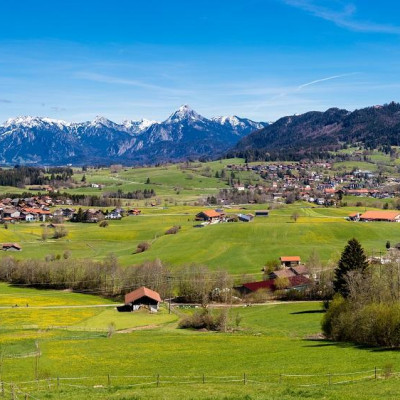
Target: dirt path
x,y
138,328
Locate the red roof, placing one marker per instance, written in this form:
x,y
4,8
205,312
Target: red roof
x,y
289,258
211,213
253,286
294,281
141,292
36,211
380,215
298,280
8,245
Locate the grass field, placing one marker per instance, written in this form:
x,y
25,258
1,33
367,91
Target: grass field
x,y
236,247
274,347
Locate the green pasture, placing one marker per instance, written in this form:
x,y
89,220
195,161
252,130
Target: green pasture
x,y
236,247
276,346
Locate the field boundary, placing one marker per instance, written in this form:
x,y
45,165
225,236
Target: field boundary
x,y
109,381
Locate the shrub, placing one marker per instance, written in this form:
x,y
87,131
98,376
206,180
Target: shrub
x,y
60,232
173,231
142,247
103,224
205,319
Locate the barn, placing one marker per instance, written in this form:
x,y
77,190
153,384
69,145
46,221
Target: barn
x,y
142,297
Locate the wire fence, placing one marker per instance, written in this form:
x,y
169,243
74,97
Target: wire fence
x,y
35,389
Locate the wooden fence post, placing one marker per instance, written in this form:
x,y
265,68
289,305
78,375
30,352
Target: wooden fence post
x,y
375,372
109,380
204,379
158,380
244,378
329,376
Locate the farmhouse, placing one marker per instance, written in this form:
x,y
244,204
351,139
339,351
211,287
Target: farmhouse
x,y
209,216
11,247
281,273
289,261
388,216
295,282
142,297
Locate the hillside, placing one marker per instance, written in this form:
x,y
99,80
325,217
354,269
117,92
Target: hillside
x,y
184,135
318,132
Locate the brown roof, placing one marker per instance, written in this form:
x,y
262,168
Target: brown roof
x,y
283,273
300,270
382,215
289,258
141,292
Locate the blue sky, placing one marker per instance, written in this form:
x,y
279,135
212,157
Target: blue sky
x,y
262,59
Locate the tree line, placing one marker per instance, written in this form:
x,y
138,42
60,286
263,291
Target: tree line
x,y
366,307
19,176
107,278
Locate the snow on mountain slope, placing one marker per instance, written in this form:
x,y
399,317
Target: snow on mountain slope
x,y
184,134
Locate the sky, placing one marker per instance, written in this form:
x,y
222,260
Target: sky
x,y
260,59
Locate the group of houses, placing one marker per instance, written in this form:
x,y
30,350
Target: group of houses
x,y
44,208
292,275
29,209
314,182
208,217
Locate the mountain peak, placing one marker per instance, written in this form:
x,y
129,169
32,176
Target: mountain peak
x,y
184,112
101,121
138,126
30,122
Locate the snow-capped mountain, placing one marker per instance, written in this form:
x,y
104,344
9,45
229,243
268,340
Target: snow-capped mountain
x,y
184,134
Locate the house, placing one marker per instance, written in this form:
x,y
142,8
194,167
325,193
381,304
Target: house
x,y
142,297
354,216
300,270
209,216
289,261
134,211
113,215
28,217
281,273
296,282
245,217
387,216
11,247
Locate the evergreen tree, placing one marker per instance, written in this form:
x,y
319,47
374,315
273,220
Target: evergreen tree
x,y
353,258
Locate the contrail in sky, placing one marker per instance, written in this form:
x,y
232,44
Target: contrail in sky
x,y
323,80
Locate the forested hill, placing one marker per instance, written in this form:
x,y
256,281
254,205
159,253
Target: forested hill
x,y
316,133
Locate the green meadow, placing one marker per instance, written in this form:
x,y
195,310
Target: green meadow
x,y
274,353
236,247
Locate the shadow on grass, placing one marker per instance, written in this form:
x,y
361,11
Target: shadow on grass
x,y
319,311
321,342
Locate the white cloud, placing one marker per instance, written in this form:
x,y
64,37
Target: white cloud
x,y
96,77
343,17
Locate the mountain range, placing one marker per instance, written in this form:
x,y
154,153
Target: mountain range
x,y
313,133
184,135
